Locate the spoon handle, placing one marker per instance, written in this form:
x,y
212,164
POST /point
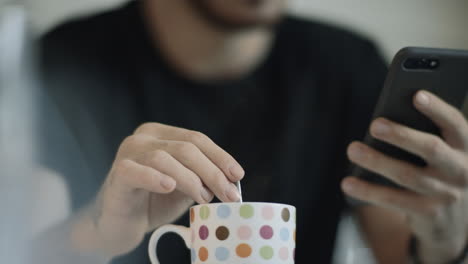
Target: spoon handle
x,y
238,184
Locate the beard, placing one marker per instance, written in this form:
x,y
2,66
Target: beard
x,y
232,23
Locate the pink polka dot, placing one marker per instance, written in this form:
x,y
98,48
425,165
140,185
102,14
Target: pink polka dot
x,y
266,232
244,232
203,232
267,212
283,253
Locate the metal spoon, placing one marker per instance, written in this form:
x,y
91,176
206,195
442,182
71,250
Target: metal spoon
x,y
238,185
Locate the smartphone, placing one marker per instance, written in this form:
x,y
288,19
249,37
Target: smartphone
x,y
443,72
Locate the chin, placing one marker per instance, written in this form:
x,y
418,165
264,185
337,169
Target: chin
x,y
241,14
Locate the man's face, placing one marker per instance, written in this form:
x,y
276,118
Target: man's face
x,y
240,14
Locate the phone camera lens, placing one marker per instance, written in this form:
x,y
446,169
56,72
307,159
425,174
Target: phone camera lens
x,y
434,64
421,64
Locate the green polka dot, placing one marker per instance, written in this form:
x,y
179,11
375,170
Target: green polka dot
x,y
204,212
266,252
246,211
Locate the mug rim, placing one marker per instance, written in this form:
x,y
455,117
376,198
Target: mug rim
x,y
238,203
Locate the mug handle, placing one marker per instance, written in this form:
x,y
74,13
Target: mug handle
x,y
182,231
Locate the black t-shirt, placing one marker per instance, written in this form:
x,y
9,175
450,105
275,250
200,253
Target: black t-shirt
x,y
288,123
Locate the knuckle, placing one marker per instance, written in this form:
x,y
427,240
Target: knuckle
x,y
133,140
159,156
122,169
146,127
186,148
457,117
195,183
227,162
196,137
434,147
142,128
124,165
402,133
219,178
408,177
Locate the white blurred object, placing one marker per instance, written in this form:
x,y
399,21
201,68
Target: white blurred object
x,y
17,149
51,203
350,246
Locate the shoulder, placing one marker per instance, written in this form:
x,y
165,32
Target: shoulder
x,y
326,43
330,50
345,66
84,39
83,30
323,36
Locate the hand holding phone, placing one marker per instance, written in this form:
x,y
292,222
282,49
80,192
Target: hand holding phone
x,y
439,71
414,161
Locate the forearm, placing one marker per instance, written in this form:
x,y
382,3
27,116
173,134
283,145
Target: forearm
x,y
74,241
388,234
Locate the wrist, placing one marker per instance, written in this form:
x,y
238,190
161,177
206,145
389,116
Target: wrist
x,y
85,237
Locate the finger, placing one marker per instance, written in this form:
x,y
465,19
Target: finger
x,y
405,174
192,158
132,146
429,147
216,154
187,181
396,199
132,175
451,122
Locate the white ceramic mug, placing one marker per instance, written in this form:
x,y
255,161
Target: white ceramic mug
x,y
236,233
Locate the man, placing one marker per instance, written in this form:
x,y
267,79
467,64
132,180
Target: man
x,y
181,99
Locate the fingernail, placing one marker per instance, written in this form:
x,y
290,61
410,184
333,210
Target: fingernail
x,y
348,186
167,183
422,98
237,171
355,151
381,128
232,193
206,194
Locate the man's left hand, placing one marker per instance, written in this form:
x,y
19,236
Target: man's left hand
x,y
435,198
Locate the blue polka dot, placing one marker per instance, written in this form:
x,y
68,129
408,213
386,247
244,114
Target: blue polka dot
x,y
194,255
284,234
222,253
223,211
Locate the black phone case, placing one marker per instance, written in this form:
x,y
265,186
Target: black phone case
x,y
449,81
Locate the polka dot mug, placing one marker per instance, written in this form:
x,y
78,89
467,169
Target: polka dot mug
x,y
236,233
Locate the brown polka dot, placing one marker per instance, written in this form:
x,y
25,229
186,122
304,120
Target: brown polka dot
x,y
285,214
192,215
243,250
203,254
222,233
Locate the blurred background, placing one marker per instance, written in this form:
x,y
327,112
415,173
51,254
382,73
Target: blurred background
x,y
391,24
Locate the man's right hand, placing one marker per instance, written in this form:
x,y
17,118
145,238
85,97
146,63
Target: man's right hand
x,y
158,173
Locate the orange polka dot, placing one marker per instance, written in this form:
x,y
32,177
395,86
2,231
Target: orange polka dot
x,y
243,250
203,254
192,215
